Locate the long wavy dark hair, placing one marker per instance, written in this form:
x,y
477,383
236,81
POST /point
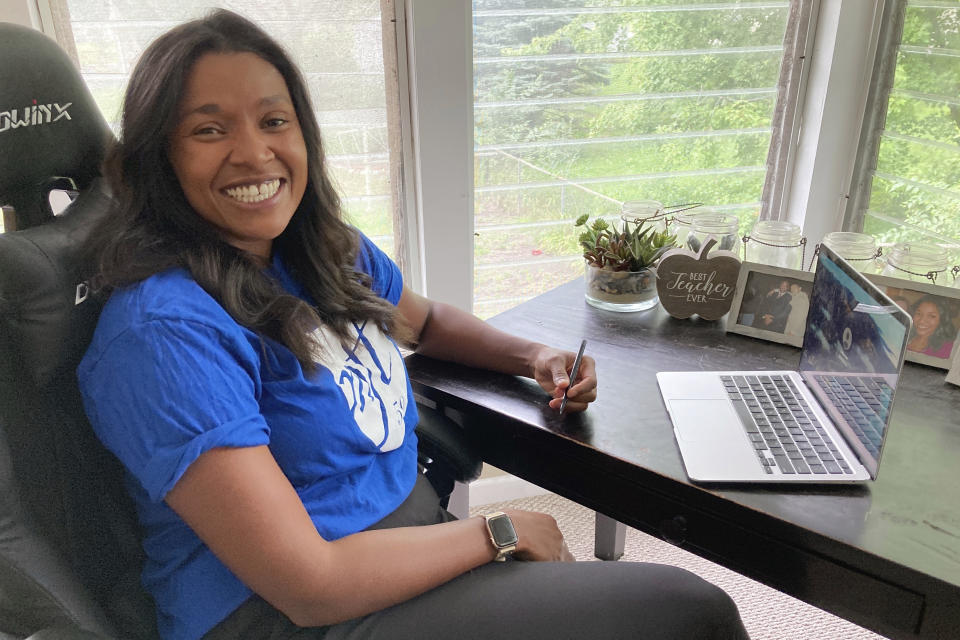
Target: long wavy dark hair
x,y
152,227
945,331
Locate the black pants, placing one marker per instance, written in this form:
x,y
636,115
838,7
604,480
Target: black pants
x,y
528,600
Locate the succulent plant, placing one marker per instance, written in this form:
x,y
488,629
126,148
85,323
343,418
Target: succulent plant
x,y
634,247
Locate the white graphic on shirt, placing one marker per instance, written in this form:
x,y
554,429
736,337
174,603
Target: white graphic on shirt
x,y
371,376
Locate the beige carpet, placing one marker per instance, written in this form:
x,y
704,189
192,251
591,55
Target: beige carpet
x,y
767,613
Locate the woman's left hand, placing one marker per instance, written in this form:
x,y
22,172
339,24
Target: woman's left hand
x,y
551,370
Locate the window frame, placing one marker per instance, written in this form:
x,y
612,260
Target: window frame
x,y
868,146
832,115
439,124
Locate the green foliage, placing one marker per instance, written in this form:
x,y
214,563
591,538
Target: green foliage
x,y
626,249
673,125
677,106
917,186
508,80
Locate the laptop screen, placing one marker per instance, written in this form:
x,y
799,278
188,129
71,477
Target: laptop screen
x,y
853,349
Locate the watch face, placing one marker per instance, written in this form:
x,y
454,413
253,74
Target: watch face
x,y
502,531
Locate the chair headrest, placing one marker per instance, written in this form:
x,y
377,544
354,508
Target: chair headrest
x,y
39,277
50,126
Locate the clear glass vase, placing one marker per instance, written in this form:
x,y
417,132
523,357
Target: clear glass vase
x,y
859,249
723,227
917,263
775,242
679,226
645,211
620,290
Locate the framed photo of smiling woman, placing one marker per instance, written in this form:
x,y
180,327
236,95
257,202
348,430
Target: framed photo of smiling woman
x,y
935,310
771,303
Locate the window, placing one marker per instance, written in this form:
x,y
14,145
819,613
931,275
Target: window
x,y
338,46
579,104
582,105
907,183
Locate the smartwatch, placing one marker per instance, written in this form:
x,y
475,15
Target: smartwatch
x,y
502,534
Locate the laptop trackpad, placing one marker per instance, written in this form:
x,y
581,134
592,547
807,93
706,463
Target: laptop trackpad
x,y
700,420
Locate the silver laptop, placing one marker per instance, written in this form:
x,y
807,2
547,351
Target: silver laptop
x,y
825,422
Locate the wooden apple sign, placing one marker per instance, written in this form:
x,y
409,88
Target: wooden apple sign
x,y
690,283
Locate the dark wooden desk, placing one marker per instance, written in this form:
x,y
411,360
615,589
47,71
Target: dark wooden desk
x,y
885,556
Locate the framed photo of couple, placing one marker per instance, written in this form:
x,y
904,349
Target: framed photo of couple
x,y
935,310
771,303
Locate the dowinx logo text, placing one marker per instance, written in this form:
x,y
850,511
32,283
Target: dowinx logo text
x,y
33,115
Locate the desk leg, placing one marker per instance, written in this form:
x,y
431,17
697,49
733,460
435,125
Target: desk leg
x,y
608,538
459,503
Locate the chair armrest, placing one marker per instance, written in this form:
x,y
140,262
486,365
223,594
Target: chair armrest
x,y
445,451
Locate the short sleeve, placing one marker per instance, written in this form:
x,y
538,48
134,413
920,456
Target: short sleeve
x,y
164,391
387,279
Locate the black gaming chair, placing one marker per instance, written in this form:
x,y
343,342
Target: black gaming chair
x,y
69,540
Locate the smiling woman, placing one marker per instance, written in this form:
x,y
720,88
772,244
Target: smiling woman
x,y
245,371
933,332
185,79
238,151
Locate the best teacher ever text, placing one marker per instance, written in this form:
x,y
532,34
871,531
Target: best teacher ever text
x,y
698,286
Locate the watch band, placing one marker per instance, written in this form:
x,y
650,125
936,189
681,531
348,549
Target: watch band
x,y
502,534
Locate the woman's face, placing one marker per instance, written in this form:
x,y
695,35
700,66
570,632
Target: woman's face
x,y
238,151
926,319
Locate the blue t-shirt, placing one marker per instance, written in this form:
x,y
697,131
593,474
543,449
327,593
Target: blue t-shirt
x,y
170,375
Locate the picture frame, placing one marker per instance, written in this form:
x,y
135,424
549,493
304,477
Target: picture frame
x,y
953,375
764,288
937,301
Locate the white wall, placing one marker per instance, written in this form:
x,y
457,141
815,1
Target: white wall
x,y
18,11
440,73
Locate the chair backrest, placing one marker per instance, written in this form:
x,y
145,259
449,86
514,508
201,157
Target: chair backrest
x,y
51,132
73,552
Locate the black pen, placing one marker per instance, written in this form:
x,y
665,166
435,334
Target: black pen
x,y
573,374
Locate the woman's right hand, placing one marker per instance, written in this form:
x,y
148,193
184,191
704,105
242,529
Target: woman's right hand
x,y
539,537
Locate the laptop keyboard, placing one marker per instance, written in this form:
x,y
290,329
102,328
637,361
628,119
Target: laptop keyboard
x,y
784,432
863,402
